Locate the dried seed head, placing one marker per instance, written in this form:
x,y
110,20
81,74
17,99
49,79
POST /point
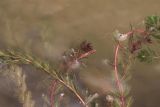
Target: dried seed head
x,y
71,58
119,36
86,46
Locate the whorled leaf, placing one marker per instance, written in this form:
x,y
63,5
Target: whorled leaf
x,y
144,56
152,22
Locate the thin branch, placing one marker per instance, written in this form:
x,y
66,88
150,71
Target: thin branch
x,y
13,57
118,81
53,87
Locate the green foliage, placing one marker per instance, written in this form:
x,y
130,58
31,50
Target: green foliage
x,y
144,56
117,103
156,35
152,22
153,26
129,102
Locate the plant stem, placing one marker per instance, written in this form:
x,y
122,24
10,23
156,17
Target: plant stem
x,y
118,81
16,58
73,90
141,31
65,84
53,87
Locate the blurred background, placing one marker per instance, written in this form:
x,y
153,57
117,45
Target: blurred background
x,y
46,28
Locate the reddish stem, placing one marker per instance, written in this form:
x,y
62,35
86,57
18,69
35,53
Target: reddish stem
x,y
52,90
118,81
141,31
86,54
